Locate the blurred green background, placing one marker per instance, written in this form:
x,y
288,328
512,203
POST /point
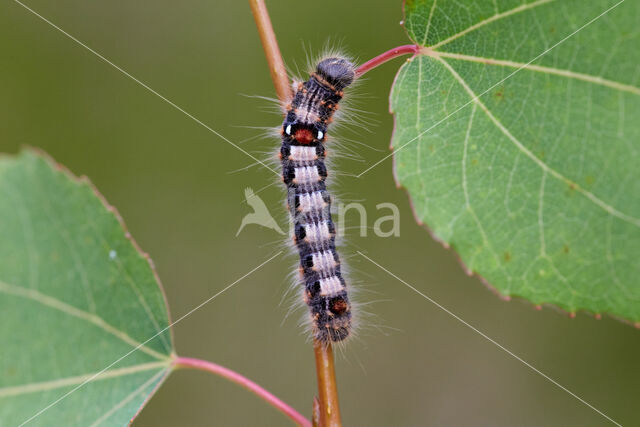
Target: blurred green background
x,y
174,183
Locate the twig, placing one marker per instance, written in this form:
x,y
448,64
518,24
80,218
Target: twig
x,y
329,411
328,407
203,365
271,49
387,56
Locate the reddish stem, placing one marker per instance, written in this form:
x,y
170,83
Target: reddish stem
x,y
409,49
203,365
271,49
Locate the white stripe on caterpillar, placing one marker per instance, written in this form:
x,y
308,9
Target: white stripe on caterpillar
x,y
317,233
303,154
306,175
330,286
310,202
324,262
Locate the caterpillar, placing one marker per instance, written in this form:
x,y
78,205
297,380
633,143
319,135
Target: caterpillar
x,y
304,173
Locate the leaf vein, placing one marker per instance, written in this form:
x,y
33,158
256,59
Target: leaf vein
x,y
485,239
491,19
127,399
538,68
69,381
606,207
426,33
55,303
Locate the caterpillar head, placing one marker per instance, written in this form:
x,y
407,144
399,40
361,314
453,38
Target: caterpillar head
x,y
337,71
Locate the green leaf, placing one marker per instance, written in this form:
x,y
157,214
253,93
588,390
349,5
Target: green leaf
x,y
76,295
529,170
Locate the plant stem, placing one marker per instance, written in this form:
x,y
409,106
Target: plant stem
x,y
387,56
329,411
203,365
326,409
329,408
271,49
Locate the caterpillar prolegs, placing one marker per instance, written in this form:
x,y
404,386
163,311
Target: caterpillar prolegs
x,y
304,173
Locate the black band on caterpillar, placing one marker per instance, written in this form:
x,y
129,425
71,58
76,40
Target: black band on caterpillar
x,y
304,173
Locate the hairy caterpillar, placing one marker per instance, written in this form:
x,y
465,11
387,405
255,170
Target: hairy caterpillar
x,y
304,173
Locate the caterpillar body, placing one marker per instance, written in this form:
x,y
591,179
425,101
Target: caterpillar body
x,y
304,173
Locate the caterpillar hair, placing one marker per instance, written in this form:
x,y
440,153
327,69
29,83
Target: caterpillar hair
x,y
304,172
